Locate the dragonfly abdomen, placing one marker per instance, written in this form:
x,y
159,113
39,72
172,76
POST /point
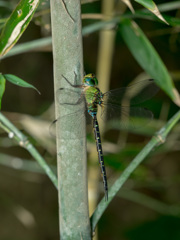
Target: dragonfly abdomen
x,y
100,155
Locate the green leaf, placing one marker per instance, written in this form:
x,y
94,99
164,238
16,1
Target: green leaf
x,y
172,20
169,6
145,15
151,6
2,87
18,81
16,24
148,58
129,5
29,46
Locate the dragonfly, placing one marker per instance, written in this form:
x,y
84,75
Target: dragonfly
x,y
112,106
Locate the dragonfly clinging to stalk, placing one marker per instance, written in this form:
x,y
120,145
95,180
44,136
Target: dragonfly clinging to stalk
x,y
112,106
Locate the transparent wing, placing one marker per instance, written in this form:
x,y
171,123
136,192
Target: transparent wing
x,y
135,93
132,95
114,107
125,116
71,126
68,96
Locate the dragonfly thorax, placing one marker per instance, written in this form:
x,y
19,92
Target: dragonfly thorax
x,y
93,98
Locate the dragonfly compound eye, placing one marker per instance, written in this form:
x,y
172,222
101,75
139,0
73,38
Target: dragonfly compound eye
x,y
90,80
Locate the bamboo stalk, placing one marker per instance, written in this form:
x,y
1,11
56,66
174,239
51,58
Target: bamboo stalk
x,y
71,153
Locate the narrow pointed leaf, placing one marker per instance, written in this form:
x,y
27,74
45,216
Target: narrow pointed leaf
x,y
148,58
129,5
2,87
18,81
16,24
151,6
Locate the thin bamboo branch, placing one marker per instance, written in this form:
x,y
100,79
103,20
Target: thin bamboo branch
x,y
24,142
156,140
22,164
149,202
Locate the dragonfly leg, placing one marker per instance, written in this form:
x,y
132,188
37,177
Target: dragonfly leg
x,y
72,85
80,100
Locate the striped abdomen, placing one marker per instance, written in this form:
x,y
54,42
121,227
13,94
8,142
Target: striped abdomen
x,y
100,154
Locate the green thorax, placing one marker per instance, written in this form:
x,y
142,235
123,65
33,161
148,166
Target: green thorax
x,y
92,93
93,98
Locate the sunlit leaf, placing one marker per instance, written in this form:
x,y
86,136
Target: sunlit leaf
x,y
148,58
151,6
2,87
148,15
18,81
129,5
16,24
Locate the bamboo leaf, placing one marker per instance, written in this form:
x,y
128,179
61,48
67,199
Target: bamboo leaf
x,y
151,6
18,81
129,5
16,24
2,87
147,15
38,45
172,20
169,6
148,58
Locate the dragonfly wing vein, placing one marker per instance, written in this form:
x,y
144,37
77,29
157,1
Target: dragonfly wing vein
x,y
132,95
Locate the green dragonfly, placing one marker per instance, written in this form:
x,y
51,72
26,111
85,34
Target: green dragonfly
x,y
112,107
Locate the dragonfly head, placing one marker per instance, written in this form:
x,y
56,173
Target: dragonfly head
x,y
90,80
